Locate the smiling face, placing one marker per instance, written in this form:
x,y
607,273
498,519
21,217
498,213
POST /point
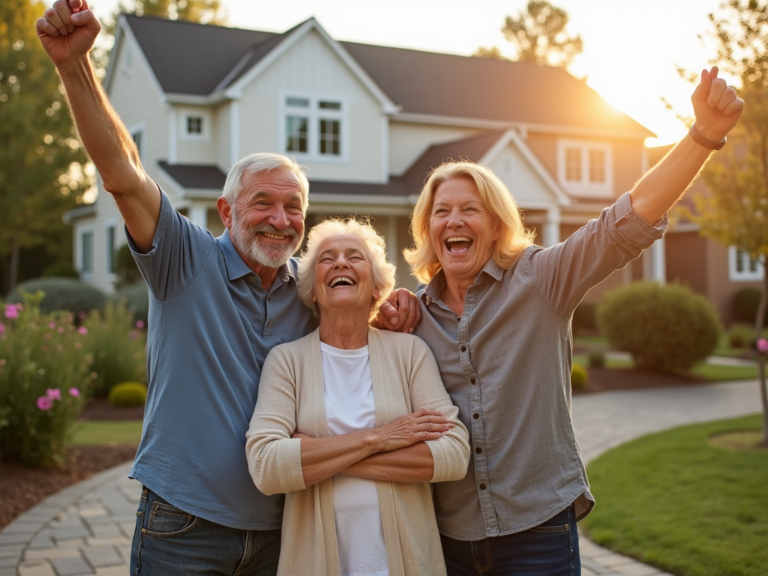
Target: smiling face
x,y
268,217
344,277
461,229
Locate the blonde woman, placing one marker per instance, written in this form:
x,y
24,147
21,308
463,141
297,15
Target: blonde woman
x,y
353,424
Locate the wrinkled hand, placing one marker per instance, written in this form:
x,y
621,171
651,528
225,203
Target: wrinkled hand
x,y
716,106
407,430
68,30
400,313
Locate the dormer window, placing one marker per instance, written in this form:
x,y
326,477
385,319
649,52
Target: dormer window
x,y
195,125
313,128
584,168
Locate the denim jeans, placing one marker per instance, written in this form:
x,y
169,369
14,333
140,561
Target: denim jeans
x,y
550,549
170,542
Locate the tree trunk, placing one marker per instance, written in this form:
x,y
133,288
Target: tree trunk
x,y
761,355
13,271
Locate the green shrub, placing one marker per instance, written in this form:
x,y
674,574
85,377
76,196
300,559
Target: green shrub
x,y
125,268
579,376
61,270
128,394
596,359
44,373
745,303
668,328
738,339
136,298
584,318
62,294
118,348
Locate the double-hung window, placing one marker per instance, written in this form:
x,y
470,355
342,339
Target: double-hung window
x,y
313,128
585,167
86,252
743,268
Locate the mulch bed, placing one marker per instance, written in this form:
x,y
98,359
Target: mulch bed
x,y
22,487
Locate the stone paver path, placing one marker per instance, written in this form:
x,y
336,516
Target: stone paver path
x,y
87,528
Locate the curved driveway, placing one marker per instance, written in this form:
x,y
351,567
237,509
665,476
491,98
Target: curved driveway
x,y
87,528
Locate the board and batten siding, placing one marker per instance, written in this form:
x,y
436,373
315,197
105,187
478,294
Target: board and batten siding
x,y
408,141
311,68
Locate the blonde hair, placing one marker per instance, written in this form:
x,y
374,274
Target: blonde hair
x,y
376,253
257,164
497,199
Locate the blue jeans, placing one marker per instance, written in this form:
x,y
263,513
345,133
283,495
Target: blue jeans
x,y
550,549
170,542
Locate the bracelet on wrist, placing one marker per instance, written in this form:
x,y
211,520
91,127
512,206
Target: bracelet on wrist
x,y
705,142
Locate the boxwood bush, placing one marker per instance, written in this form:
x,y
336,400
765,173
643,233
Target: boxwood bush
x,y
128,394
62,294
136,298
668,328
579,376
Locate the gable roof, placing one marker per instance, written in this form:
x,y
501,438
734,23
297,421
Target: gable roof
x,y
200,60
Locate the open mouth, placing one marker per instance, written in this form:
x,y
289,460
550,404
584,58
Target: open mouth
x,y
341,281
273,236
458,244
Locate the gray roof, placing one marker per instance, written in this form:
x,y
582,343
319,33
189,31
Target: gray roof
x,y
197,59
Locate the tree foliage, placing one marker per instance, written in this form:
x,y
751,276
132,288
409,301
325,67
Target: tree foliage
x,y
539,36
734,209
41,159
202,11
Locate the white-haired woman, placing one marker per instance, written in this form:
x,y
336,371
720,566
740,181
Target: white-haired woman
x,y
353,424
496,312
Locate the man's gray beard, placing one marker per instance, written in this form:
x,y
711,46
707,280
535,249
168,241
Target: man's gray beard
x,y
247,241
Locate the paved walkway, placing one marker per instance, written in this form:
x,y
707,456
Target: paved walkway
x,y
87,528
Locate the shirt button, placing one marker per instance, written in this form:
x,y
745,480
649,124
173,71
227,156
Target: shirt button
x,y
475,415
463,348
472,381
269,322
482,486
478,450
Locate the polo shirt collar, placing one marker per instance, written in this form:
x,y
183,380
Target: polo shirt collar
x,y
436,285
236,266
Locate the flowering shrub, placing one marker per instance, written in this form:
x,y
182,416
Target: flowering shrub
x,y
44,371
118,347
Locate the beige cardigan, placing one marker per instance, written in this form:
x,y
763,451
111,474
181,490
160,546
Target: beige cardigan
x,y
291,396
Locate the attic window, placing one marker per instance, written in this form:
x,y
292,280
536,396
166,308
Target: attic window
x,y
585,167
194,124
313,128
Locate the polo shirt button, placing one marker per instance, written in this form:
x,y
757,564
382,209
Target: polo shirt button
x,y
478,450
475,415
269,322
482,486
472,381
463,348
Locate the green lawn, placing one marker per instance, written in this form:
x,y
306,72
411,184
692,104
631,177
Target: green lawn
x,y
714,372
677,502
103,433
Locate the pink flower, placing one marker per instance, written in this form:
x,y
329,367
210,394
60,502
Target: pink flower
x,y
51,325
762,345
53,393
82,330
140,324
12,311
44,403
74,392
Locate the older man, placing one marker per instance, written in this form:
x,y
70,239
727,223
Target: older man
x,y
218,305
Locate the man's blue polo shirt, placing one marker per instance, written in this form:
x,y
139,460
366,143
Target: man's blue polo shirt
x,y
211,325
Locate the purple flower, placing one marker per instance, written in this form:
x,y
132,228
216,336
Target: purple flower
x,y
762,345
74,392
53,393
44,403
82,330
140,324
12,311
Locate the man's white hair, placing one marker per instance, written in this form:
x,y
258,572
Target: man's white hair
x,y
259,163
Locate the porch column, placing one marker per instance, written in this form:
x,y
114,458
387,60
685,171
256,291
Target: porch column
x,y
390,236
199,215
659,265
552,227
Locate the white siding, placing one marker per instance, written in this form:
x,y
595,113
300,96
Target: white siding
x,y
221,125
408,141
312,68
525,183
195,149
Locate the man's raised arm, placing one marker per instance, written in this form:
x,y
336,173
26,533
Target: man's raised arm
x,y
717,110
67,32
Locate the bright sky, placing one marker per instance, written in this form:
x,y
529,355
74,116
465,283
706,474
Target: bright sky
x,y
631,47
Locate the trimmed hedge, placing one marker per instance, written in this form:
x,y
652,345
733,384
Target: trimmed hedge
x,y
62,294
128,394
668,328
579,376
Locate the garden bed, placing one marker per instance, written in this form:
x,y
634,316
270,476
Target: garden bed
x,y
605,379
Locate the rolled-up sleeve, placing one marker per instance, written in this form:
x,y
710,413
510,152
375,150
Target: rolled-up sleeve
x,y
274,458
564,273
450,454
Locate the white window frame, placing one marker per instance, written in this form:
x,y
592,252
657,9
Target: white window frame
x,y
128,58
745,274
585,187
86,274
110,259
140,128
205,116
315,114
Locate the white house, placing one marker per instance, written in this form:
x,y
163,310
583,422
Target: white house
x,y
367,123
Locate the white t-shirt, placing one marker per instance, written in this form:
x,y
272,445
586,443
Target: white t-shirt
x,y
349,407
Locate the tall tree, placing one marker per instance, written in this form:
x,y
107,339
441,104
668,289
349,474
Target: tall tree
x,y
202,11
539,36
41,159
734,209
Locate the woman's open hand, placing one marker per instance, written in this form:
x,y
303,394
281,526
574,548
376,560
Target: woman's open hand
x,y
407,430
